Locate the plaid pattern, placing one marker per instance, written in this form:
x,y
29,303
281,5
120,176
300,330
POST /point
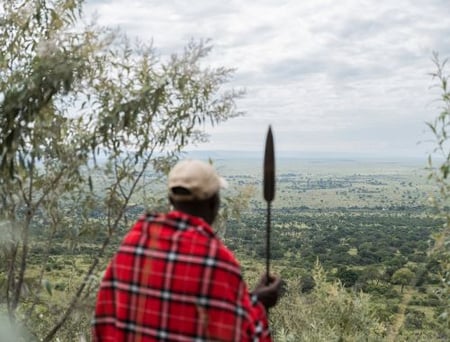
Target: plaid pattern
x,y
172,279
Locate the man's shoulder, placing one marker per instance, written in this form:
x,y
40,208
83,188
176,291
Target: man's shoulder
x,y
226,254
171,225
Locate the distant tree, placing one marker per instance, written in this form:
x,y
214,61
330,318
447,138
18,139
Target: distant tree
x,y
396,262
371,273
347,276
307,284
388,273
402,276
421,276
84,116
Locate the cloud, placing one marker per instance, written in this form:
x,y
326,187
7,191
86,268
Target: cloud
x,y
327,75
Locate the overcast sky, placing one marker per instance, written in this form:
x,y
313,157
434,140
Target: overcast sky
x,y
345,77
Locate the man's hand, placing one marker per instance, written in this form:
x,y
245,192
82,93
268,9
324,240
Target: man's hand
x,y
268,290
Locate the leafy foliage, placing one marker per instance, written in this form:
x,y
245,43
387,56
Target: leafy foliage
x,y
403,276
439,166
328,313
87,121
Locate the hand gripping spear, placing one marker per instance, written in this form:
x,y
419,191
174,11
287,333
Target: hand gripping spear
x,y
269,190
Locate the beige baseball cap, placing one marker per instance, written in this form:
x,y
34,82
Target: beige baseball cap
x,y
192,179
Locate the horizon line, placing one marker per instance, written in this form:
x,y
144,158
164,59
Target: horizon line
x,y
312,156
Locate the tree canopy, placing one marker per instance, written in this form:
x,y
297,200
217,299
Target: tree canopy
x,y
85,116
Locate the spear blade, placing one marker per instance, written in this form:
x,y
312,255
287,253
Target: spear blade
x,y
269,190
269,168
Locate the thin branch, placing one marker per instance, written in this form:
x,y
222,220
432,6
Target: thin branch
x,y
44,264
101,252
24,237
50,187
10,282
25,231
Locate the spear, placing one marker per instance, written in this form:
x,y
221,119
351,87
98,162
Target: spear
x,y
269,190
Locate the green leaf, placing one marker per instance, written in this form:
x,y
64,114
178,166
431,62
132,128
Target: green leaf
x,y
48,287
445,170
431,126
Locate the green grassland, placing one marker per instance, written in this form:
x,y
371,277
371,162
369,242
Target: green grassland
x,y
360,220
336,183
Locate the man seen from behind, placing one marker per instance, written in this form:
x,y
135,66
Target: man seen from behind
x,y
172,278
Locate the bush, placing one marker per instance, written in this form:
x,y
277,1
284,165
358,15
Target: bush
x,y
380,289
60,286
384,312
329,312
422,289
307,284
432,300
414,319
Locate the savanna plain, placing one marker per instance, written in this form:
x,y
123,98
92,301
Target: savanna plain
x,y
350,237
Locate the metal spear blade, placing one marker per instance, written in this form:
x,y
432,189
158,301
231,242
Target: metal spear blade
x,y
269,190
269,168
